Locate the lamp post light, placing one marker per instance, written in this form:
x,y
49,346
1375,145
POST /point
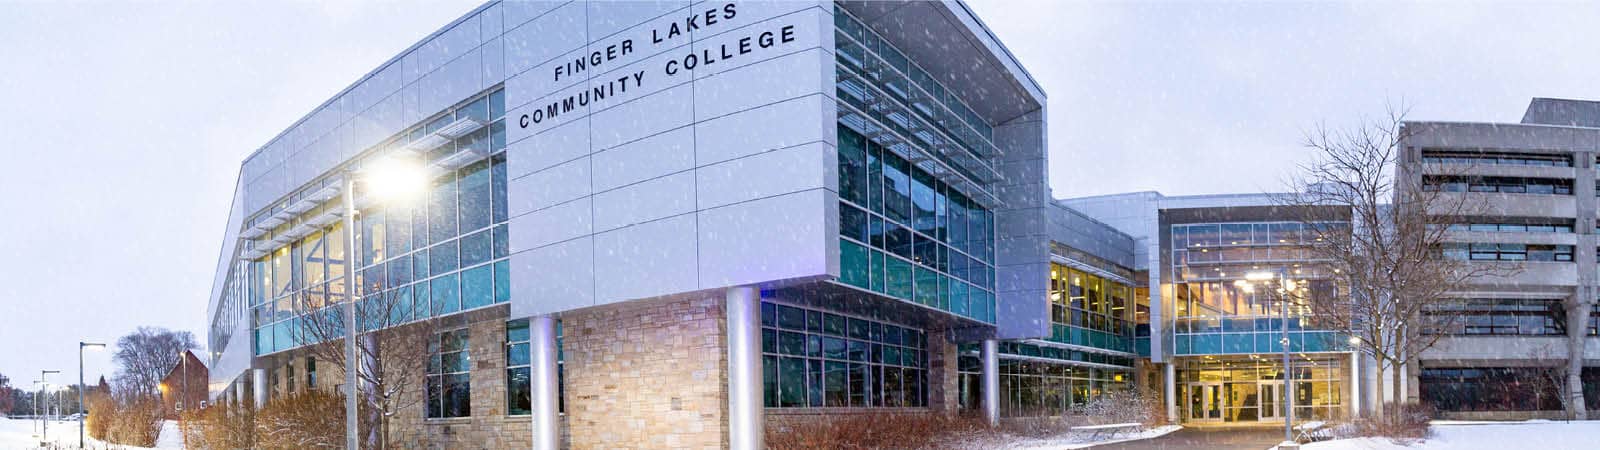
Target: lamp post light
x,y
1285,286
81,409
388,179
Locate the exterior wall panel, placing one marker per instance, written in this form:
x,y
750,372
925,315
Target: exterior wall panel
x,y
651,94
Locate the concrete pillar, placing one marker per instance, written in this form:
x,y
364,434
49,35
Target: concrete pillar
x,y
546,424
1169,382
258,378
990,354
238,394
746,413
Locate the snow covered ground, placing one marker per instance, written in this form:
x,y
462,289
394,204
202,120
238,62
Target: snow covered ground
x,y
1446,435
1067,441
23,435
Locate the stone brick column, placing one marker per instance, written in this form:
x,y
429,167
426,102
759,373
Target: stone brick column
x,y
647,374
944,374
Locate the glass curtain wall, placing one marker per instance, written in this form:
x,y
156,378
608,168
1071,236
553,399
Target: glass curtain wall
x,y
439,254
1250,389
1034,388
905,232
1217,311
812,358
1090,310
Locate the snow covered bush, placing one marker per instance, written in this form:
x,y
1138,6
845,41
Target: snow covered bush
x,y
1404,421
1120,406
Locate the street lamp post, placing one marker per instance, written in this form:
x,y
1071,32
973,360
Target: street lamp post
x,y
388,178
44,425
83,345
350,406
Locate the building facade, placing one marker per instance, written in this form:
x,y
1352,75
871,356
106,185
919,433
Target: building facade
x,y
665,224
1215,334
1528,189
185,387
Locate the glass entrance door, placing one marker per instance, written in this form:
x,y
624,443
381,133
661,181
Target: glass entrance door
x,y
1271,400
1205,401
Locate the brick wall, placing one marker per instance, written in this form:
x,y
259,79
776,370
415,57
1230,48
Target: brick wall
x,y
488,426
647,374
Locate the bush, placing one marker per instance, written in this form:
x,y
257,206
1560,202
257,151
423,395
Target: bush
x,y
101,409
922,431
1403,421
219,427
136,421
1114,406
309,419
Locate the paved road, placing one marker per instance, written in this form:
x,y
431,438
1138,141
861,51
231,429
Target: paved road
x,y
1206,438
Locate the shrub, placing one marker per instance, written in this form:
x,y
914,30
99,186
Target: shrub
x,y
101,409
136,421
1114,406
1403,421
309,419
1120,406
219,427
920,431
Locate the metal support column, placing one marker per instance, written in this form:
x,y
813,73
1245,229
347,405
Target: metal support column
x,y
546,421
746,413
258,378
990,353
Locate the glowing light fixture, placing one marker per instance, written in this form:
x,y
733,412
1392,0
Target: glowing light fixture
x,y
393,178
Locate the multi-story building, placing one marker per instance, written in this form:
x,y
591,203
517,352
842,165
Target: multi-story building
x,y
1214,331
1528,191
1095,304
663,224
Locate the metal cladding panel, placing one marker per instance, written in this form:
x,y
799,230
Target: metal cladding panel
x,y
1022,257
654,149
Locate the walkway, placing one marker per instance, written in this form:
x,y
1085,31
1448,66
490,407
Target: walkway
x,y
1206,438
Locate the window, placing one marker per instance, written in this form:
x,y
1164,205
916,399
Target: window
x,y
1507,252
909,235
1510,185
814,358
519,393
1504,317
1489,389
449,386
1467,156
449,246
311,373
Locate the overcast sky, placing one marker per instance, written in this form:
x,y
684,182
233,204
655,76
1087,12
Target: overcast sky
x,y
125,123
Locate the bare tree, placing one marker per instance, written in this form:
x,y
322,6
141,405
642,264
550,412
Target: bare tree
x,y
395,342
146,355
1389,259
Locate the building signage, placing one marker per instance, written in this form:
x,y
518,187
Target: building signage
x,y
755,40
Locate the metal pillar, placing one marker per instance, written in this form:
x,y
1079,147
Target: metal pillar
x,y
258,378
546,428
1355,384
746,413
990,354
1169,380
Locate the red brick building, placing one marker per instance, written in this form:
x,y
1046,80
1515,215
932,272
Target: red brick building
x,y
175,394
